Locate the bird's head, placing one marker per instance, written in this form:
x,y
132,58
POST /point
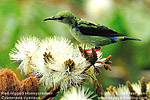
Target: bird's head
x,y
64,17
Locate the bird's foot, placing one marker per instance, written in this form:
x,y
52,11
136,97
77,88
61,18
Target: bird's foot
x,y
89,51
93,59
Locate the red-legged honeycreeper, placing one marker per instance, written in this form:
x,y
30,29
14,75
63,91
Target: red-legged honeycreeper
x,y
89,32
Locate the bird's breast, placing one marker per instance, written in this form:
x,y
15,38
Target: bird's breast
x,y
77,34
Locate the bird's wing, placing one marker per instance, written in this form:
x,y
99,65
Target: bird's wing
x,y
96,30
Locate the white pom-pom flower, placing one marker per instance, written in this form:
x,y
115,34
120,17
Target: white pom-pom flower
x,y
59,62
78,94
24,51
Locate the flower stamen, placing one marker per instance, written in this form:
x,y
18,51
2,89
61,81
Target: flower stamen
x,y
48,57
70,65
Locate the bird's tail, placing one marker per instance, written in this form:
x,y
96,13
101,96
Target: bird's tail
x,y
130,38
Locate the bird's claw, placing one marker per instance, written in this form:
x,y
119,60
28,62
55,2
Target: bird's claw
x,y
89,51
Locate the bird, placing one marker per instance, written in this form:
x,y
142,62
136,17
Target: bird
x,y
89,32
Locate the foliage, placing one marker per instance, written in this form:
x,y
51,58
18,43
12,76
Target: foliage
x,y
24,17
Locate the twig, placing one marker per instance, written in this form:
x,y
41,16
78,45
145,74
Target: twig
x,y
106,63
86,69
98,87
51,94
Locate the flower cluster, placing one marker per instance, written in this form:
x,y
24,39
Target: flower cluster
x,y
136,91
55,61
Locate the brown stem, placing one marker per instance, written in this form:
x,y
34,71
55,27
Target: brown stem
x,y
51,94
98,87
86,69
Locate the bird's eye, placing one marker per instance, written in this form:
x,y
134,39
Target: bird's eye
x,y
61,17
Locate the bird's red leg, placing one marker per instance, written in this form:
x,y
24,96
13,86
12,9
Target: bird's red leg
x,y
89,51
98,49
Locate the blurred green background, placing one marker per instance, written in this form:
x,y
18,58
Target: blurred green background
x,y
131,59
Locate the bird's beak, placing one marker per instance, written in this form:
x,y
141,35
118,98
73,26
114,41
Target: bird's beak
x,y
51,18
